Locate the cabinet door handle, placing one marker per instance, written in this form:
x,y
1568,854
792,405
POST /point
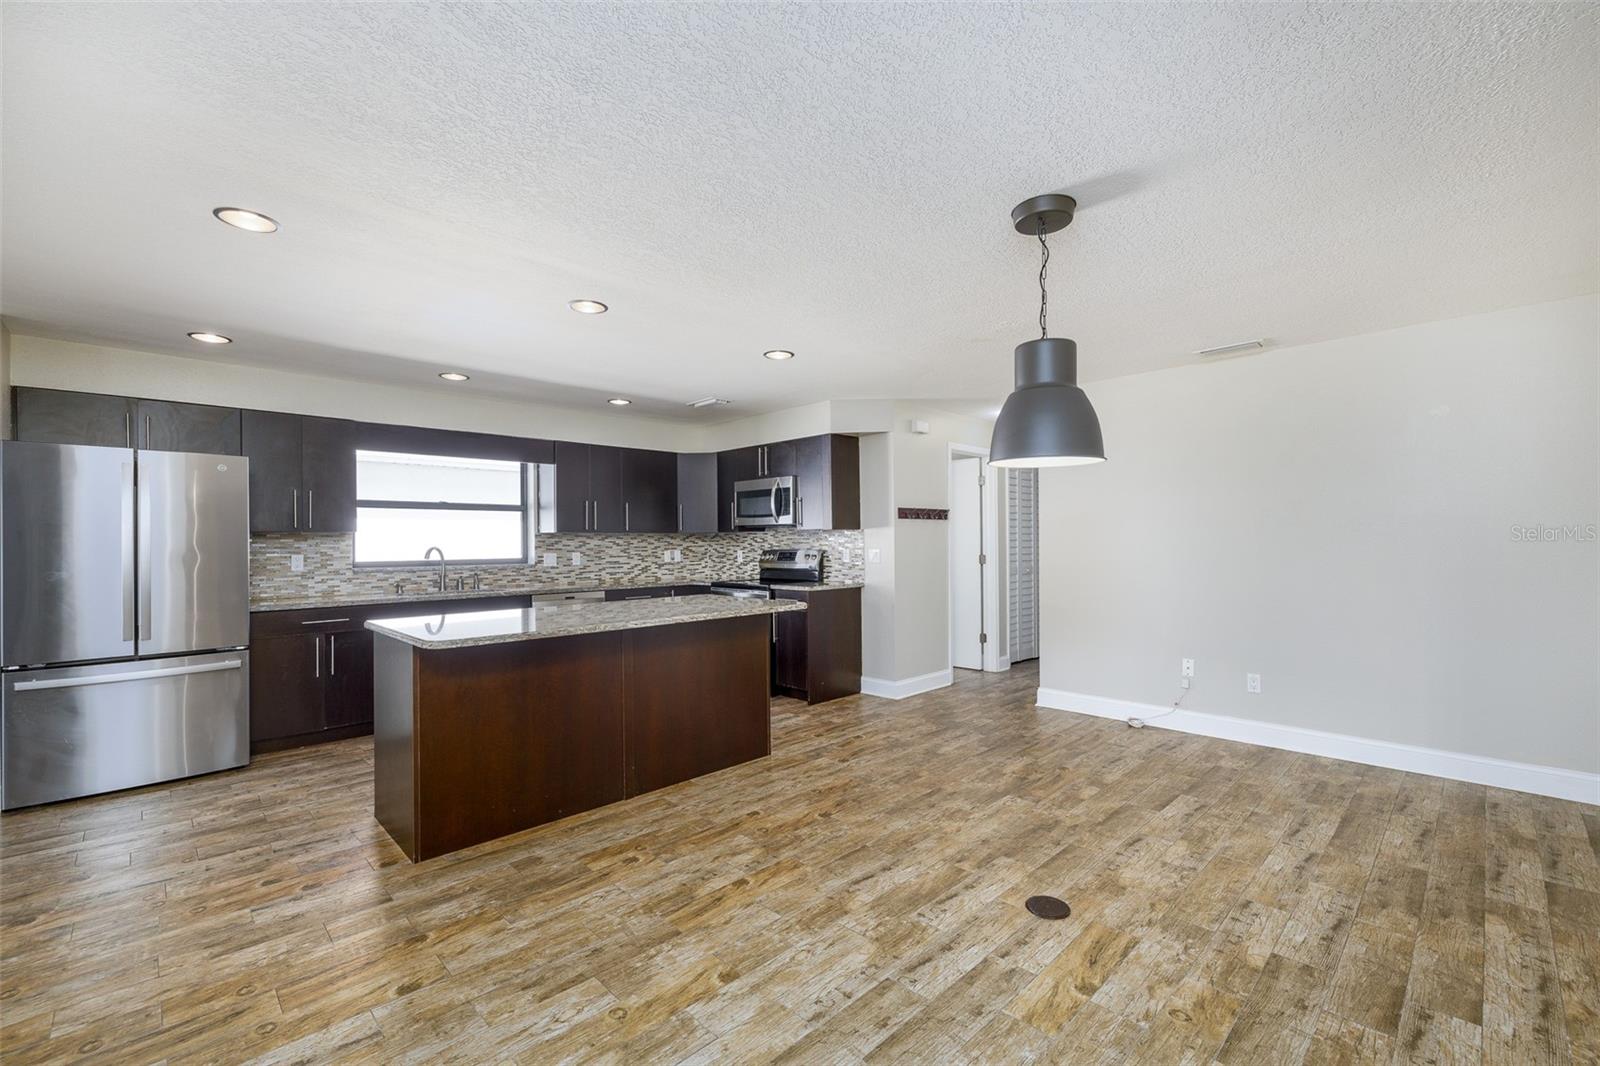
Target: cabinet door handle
x,y
323,621
733,519
127,430
333,654
148,443
295,495
627,517
311,521
316,661
680,518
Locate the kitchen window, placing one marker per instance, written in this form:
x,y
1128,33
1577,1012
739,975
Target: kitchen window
x,y
474,510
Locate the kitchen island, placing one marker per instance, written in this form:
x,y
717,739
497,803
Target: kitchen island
x,y
490,722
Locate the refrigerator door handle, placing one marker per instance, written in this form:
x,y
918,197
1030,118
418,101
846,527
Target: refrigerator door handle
x,y
142,491
128,562
131,675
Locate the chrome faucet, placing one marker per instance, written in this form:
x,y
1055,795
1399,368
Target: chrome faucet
x,y
444,570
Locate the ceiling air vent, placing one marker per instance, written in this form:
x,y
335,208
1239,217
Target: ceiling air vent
x,y
1232,349
709,401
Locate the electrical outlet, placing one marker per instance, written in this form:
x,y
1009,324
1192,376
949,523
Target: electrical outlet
x,y
1188,668
666,556
550,560
677,555
844,555
874,555
297,563
577,558
1252,682
738,555
1183,682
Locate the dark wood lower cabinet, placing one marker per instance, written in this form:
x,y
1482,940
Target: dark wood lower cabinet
x,y
347,699
475,743
817,653
314,679
285,691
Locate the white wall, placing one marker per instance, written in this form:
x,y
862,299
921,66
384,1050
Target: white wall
x,y
1339,518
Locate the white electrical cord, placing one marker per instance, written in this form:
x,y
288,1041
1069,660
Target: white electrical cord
x,y
1140,723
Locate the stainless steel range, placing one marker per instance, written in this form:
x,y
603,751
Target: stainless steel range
x,y
779,566
124,615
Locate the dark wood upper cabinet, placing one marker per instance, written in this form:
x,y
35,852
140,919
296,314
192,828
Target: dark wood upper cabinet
x,y
271,441
649,491
605,489
777,460
573,505
421,440
739,464
697,492
827,479
328,474
302,472
52,416
164,426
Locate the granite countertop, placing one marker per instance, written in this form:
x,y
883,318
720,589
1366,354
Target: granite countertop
x,y
378,599
436,632
371,599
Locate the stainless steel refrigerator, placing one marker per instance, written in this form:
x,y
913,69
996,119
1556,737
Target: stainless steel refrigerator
x,y
124,618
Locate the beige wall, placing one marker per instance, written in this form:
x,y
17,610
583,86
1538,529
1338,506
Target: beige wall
x,y
906,606
1340,518
5,382
54,364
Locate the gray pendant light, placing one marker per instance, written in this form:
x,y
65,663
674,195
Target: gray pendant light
x,y
1047,421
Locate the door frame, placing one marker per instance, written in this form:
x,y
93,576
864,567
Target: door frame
x,y
991,531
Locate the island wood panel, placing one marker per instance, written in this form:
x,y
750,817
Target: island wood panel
x,y
480,742
510,736
697,699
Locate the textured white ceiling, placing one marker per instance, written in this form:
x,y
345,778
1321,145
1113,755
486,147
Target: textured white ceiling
x,y
832,179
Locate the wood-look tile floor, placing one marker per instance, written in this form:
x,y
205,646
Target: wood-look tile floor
x,y
857,897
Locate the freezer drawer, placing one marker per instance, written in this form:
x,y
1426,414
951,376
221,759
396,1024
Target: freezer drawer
x,y
80,730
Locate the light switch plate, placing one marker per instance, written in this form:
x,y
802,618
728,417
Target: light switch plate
x,y
577,558
297,563
550,559
874,555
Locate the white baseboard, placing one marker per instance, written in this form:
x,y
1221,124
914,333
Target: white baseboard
x,y
911,686
1478,769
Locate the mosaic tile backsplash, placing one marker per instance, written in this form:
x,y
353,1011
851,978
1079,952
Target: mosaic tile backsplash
x,y
615,561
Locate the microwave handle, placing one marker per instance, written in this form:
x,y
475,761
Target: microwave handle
x,y
774,501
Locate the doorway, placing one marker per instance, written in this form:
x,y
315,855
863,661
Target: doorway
x,y
967,636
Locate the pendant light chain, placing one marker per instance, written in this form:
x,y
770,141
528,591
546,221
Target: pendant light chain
x,y
1044,265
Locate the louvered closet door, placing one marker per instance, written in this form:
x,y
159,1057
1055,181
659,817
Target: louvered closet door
x,y
1022,561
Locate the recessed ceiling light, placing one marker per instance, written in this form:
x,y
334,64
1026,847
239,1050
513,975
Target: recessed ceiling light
x,y
587,307
618,401
210,338
239,218
778,353
453,375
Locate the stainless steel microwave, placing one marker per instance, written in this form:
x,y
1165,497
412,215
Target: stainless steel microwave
x,y
766,501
